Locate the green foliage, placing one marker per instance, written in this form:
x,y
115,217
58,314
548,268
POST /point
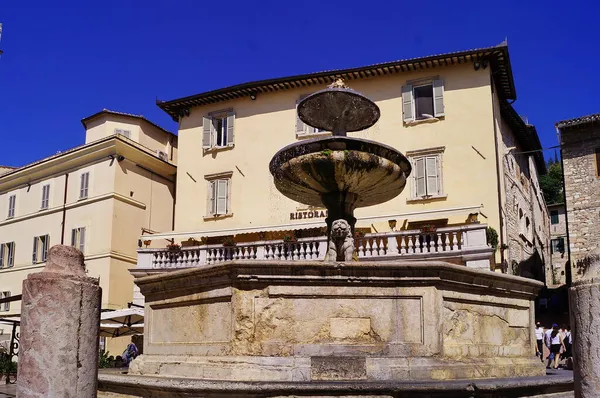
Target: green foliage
x,y
552,184
492,237
326,152
105,361
6,364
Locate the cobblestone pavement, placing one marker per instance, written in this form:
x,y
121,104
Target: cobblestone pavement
x,y
8,390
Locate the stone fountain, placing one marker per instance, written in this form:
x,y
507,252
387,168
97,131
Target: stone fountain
x,y
296,326
339,172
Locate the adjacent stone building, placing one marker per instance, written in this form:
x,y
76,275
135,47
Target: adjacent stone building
x,y
580,149
556,268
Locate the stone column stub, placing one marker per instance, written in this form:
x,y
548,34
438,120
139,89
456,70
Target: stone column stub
x,y
584,302
60,322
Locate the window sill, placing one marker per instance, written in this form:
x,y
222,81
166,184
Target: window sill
x,y
80,199
216,149
217,217
314,135
423,121
426,199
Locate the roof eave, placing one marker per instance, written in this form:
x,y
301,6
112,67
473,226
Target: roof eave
x,y
497,56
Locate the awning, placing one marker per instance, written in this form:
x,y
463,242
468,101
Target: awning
x,y
319,223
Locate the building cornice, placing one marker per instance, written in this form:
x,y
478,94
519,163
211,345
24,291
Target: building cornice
x,y
79,203
83,155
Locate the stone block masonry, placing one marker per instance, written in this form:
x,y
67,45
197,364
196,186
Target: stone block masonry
x,y
60,323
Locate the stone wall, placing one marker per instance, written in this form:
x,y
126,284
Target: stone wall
x,y
555,269
525,214
582,189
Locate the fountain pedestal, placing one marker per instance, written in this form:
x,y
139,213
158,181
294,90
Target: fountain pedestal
x,y
316,321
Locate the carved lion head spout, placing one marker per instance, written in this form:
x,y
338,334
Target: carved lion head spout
x,y
340,229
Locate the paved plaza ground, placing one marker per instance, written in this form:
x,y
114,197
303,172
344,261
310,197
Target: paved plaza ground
x,y
10,390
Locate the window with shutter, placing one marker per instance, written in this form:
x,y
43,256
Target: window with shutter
x,y
12,200
218,130
78,238
10,260
34,257
423,99
41,244
6,306
84,185
426,174
218,200
45,196
2,255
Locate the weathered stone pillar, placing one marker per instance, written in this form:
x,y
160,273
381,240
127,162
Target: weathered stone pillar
x,y
60,321
584,300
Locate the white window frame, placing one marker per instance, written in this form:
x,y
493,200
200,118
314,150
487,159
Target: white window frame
x,y
218,203
226,132
78,238
123,132
408,90
7,254
45,198
41,245
414,101
6,306
84,185
424,154
12,204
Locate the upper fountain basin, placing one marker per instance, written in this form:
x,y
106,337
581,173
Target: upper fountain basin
x,y
338,110
308,170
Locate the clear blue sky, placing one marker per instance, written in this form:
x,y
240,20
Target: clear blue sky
x,y
66,60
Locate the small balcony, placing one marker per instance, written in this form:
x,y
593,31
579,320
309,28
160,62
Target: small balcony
x,y
466,245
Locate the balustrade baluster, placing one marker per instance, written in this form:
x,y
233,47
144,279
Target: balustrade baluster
x,y
454,241
402,244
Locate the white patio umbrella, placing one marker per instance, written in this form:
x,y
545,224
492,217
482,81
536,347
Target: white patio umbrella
x,y
116,330
125,322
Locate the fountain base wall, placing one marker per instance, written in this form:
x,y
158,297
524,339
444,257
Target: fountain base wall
x,y
315,321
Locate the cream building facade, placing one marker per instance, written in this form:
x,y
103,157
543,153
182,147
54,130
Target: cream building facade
x,y
450,114
99,197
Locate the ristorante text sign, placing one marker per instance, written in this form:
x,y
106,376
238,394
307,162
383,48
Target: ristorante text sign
x,y
302,215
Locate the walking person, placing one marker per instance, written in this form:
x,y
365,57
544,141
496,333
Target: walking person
x,y
539,336
554,342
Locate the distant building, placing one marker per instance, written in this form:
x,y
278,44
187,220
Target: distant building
x,y
556,269
475,165
99,197
580,148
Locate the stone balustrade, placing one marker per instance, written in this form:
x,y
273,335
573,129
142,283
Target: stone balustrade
x,y
466,243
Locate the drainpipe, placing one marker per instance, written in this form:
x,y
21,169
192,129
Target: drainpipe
x,y
498,176
569,269
64,210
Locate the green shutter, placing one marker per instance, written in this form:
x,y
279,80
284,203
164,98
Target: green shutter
x,y
206,132
407,103
438,98
230,122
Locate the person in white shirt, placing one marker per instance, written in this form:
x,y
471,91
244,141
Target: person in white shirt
x,y
539,336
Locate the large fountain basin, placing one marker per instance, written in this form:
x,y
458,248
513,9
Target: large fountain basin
x,y
313,321
371,172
